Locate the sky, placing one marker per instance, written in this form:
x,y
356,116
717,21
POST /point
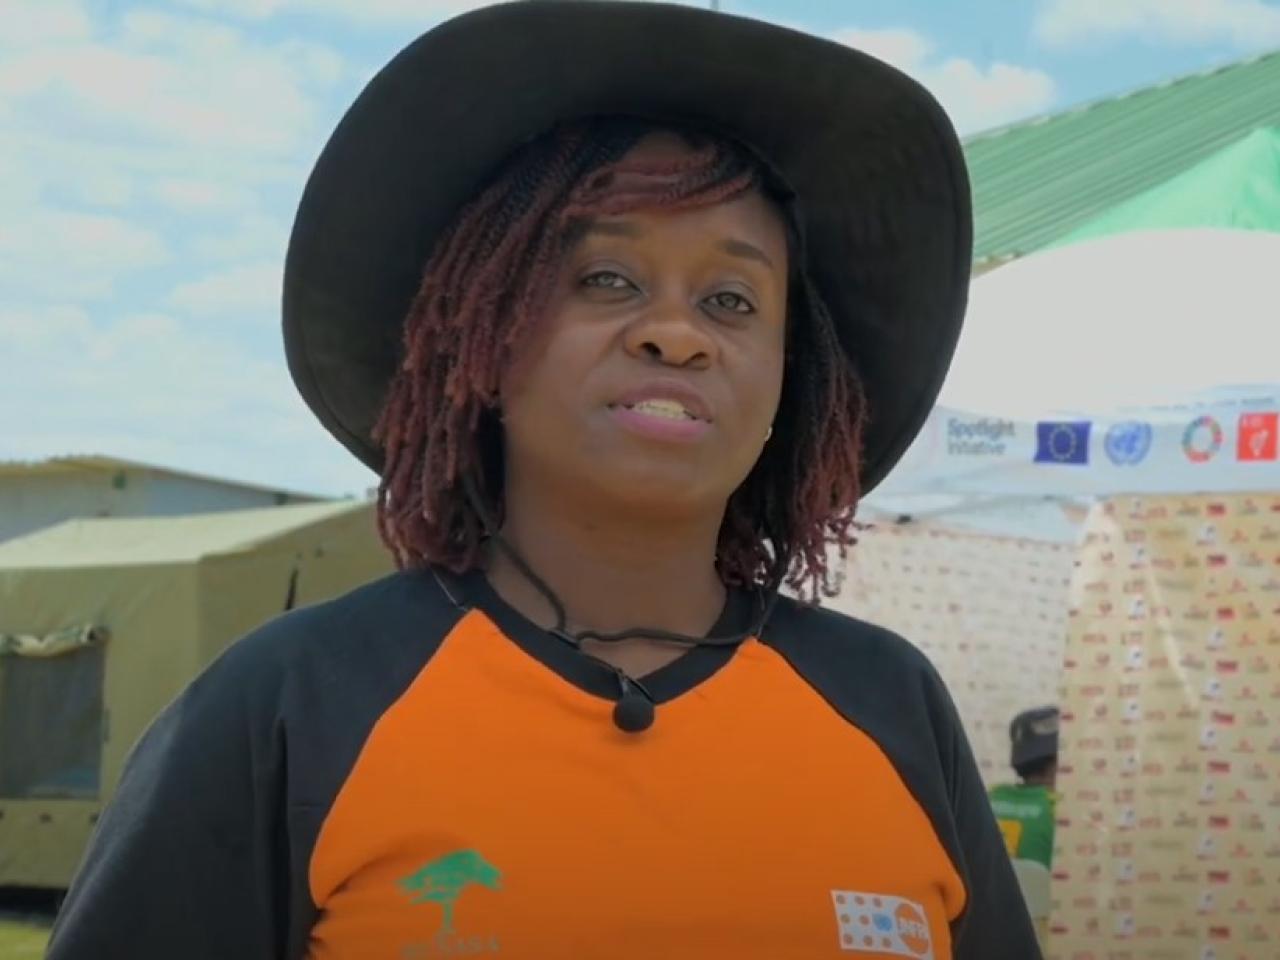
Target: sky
x,y
152,155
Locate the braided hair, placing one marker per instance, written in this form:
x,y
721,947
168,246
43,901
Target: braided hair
x,y
487,282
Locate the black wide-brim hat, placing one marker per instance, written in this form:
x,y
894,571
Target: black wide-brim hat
x,y
878,176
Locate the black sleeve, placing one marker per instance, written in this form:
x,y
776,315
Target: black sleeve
x,y
995,924
890,690
187,860
204,851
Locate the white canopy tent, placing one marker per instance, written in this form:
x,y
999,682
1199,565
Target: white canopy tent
x,y
1118,365
1144,362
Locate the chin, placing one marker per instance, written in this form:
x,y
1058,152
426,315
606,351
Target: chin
x,y
652,486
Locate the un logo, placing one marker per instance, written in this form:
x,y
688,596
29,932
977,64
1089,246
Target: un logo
x,y
1128,443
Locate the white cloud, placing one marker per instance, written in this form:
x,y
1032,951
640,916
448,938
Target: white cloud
x,y
152,97
369,11
374,13
170,81
1247,24
44,22
150,388
105,188
317,64
976,97
190,195
249,290
245,9
36,331
903,48
253,237
50,253
111,127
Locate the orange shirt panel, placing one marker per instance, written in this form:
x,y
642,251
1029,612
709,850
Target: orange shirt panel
x,y
496,809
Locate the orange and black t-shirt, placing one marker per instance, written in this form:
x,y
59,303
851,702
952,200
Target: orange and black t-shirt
x,y
416,771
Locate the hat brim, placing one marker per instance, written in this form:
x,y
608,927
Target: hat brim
x,y
876,167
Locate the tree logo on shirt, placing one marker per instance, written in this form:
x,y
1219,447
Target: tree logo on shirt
x,y
442,881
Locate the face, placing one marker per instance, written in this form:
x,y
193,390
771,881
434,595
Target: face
x,y
654,376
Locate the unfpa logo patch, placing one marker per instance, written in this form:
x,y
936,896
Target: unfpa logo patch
x,y
876,924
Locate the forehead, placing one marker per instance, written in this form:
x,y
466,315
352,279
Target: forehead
x,y
747,219
660,145
749,224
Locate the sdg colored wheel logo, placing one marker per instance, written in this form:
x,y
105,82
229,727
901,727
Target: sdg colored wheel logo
x,y
1202,439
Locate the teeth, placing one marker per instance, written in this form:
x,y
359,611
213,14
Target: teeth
x,y
670,409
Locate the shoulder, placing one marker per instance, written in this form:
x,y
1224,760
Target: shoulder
x,y
302,691
359,623
384,630
877,681
825,643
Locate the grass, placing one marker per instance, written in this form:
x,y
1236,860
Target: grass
x,y
22,941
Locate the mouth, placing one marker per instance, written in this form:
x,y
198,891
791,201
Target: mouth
x,y
661,409
663,399
662,419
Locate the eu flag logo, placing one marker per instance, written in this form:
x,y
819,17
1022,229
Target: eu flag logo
x,y
1059,442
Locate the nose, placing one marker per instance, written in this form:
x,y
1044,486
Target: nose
x,y
674,334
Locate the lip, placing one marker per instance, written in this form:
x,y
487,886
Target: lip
x,y
662,429
667,389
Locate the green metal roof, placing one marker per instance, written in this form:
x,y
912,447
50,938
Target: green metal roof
x,y
1238,188
1035,182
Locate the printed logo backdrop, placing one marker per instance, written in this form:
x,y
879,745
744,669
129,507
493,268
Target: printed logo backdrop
x,y
989,612
1168,841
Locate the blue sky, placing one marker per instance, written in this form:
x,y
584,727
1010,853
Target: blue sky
x,y
151,155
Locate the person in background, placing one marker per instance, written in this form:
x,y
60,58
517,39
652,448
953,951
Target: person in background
x,y
1025,810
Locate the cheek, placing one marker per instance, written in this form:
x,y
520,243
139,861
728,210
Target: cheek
x,y
525,405
526,377
766,386
539,386
776,373
521,401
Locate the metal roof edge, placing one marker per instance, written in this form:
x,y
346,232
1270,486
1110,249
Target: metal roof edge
x,y
104,463
1048,117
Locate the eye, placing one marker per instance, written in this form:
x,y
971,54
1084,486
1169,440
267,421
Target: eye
x,y
733,302
606,280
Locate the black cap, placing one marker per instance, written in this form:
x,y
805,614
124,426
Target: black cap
x,y
1034,735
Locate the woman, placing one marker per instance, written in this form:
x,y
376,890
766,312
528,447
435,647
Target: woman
x,y
626,323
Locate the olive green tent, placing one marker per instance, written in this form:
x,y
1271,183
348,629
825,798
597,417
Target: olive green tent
x,y
104,621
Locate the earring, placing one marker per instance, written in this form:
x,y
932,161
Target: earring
x,y
768,434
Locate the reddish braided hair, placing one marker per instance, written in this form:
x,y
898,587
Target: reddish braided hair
x,y
487,282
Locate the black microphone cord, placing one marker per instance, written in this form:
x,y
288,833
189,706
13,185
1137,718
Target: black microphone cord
x,y
634,709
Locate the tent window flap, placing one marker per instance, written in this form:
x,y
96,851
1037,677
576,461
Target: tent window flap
x,y
51,723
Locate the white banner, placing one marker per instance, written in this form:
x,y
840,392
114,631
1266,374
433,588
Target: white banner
x,y
1223,445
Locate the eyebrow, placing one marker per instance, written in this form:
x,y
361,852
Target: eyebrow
x,y
731,246
748,251
613,228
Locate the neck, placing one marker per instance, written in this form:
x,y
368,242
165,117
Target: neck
x,y
610,573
